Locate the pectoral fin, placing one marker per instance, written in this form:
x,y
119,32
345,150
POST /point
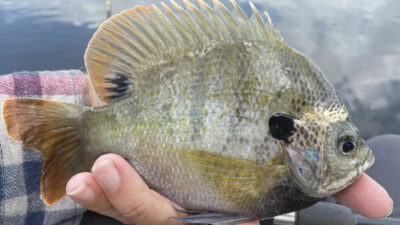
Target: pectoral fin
x,y
237,182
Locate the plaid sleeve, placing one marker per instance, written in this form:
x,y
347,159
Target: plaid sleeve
x,y
20,168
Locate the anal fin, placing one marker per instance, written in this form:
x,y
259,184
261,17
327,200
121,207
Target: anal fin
x,y
201,217
198,217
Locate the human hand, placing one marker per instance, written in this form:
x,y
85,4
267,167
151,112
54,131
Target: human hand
x,y
366,197
114,189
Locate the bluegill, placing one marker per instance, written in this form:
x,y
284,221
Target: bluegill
x,y
212,108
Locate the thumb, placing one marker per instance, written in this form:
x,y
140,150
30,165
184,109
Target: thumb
x,y
129,195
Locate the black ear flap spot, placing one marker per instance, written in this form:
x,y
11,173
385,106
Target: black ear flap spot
x,y
281,126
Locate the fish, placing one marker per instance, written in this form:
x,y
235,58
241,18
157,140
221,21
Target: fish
x,y
211,107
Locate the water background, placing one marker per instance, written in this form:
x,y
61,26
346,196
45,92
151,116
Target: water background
x,y
356,43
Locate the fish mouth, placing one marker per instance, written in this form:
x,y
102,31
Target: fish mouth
x,y
369,161
316,188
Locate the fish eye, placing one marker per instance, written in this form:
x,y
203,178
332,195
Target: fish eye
x,y
348,144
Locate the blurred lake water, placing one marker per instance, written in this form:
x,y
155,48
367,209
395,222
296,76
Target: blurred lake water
x,y
356,43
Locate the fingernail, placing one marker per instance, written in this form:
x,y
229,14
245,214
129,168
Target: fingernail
x,y
83,193
107,175
391,209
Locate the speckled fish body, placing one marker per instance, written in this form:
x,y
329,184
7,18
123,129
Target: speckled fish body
x,y
214,110
198,130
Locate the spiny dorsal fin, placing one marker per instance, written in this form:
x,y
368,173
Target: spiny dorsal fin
x,y
136,40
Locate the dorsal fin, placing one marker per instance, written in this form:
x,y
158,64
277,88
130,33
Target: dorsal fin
x,y
128,44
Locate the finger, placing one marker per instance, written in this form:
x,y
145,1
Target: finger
x,y
129,195
94,99
84,189
366,197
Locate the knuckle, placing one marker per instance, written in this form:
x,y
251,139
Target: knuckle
x,y
106,209
137,211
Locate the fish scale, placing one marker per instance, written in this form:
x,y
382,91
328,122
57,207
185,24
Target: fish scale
x,y
212,108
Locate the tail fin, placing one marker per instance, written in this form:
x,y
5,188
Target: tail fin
x,y
52,129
